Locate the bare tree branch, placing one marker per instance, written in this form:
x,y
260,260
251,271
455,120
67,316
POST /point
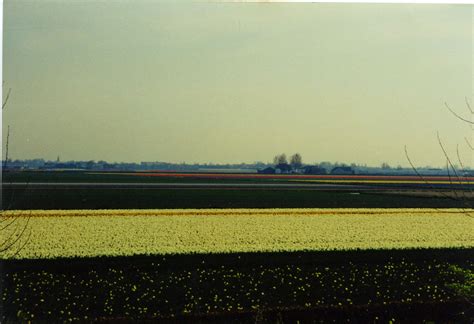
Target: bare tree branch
x,y
423,178
4,104
469,106
12,230
465,179
448,165
461,118
13,220
455,193
6,147
9,245
24,243
446,154
468,143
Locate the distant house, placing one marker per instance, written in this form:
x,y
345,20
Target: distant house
x,y
342,170
314,169
298,171
268,170
283,168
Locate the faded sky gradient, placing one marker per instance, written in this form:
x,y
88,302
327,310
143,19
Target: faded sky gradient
x,y
227,82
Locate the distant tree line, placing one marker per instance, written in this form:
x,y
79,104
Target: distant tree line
x,y
295,162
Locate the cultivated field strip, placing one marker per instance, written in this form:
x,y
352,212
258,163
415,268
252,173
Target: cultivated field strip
x,y
446,182
153,232
226,211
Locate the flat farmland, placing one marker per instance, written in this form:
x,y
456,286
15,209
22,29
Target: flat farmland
x,y
145,190
233,248
237,265
223,177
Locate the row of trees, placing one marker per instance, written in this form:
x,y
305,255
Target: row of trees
x,y
296,161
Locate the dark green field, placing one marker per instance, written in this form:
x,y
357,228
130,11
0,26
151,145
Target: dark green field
x,y
90,176
29,196
367,286
211,198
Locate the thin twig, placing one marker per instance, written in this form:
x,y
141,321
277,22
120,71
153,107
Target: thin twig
x,y
454,113
446,155
14,219
26,240
468,143
17,238
465,180
6,148
24,244
423,179
455,193
469,106
4,104
450,164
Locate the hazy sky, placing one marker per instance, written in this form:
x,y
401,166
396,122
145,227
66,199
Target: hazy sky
x,y
227,82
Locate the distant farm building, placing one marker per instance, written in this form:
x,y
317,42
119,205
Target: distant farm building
x,y
283,168
268,170
313,169
342,170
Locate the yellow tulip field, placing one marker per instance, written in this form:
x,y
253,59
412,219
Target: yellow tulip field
x,y
90,233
